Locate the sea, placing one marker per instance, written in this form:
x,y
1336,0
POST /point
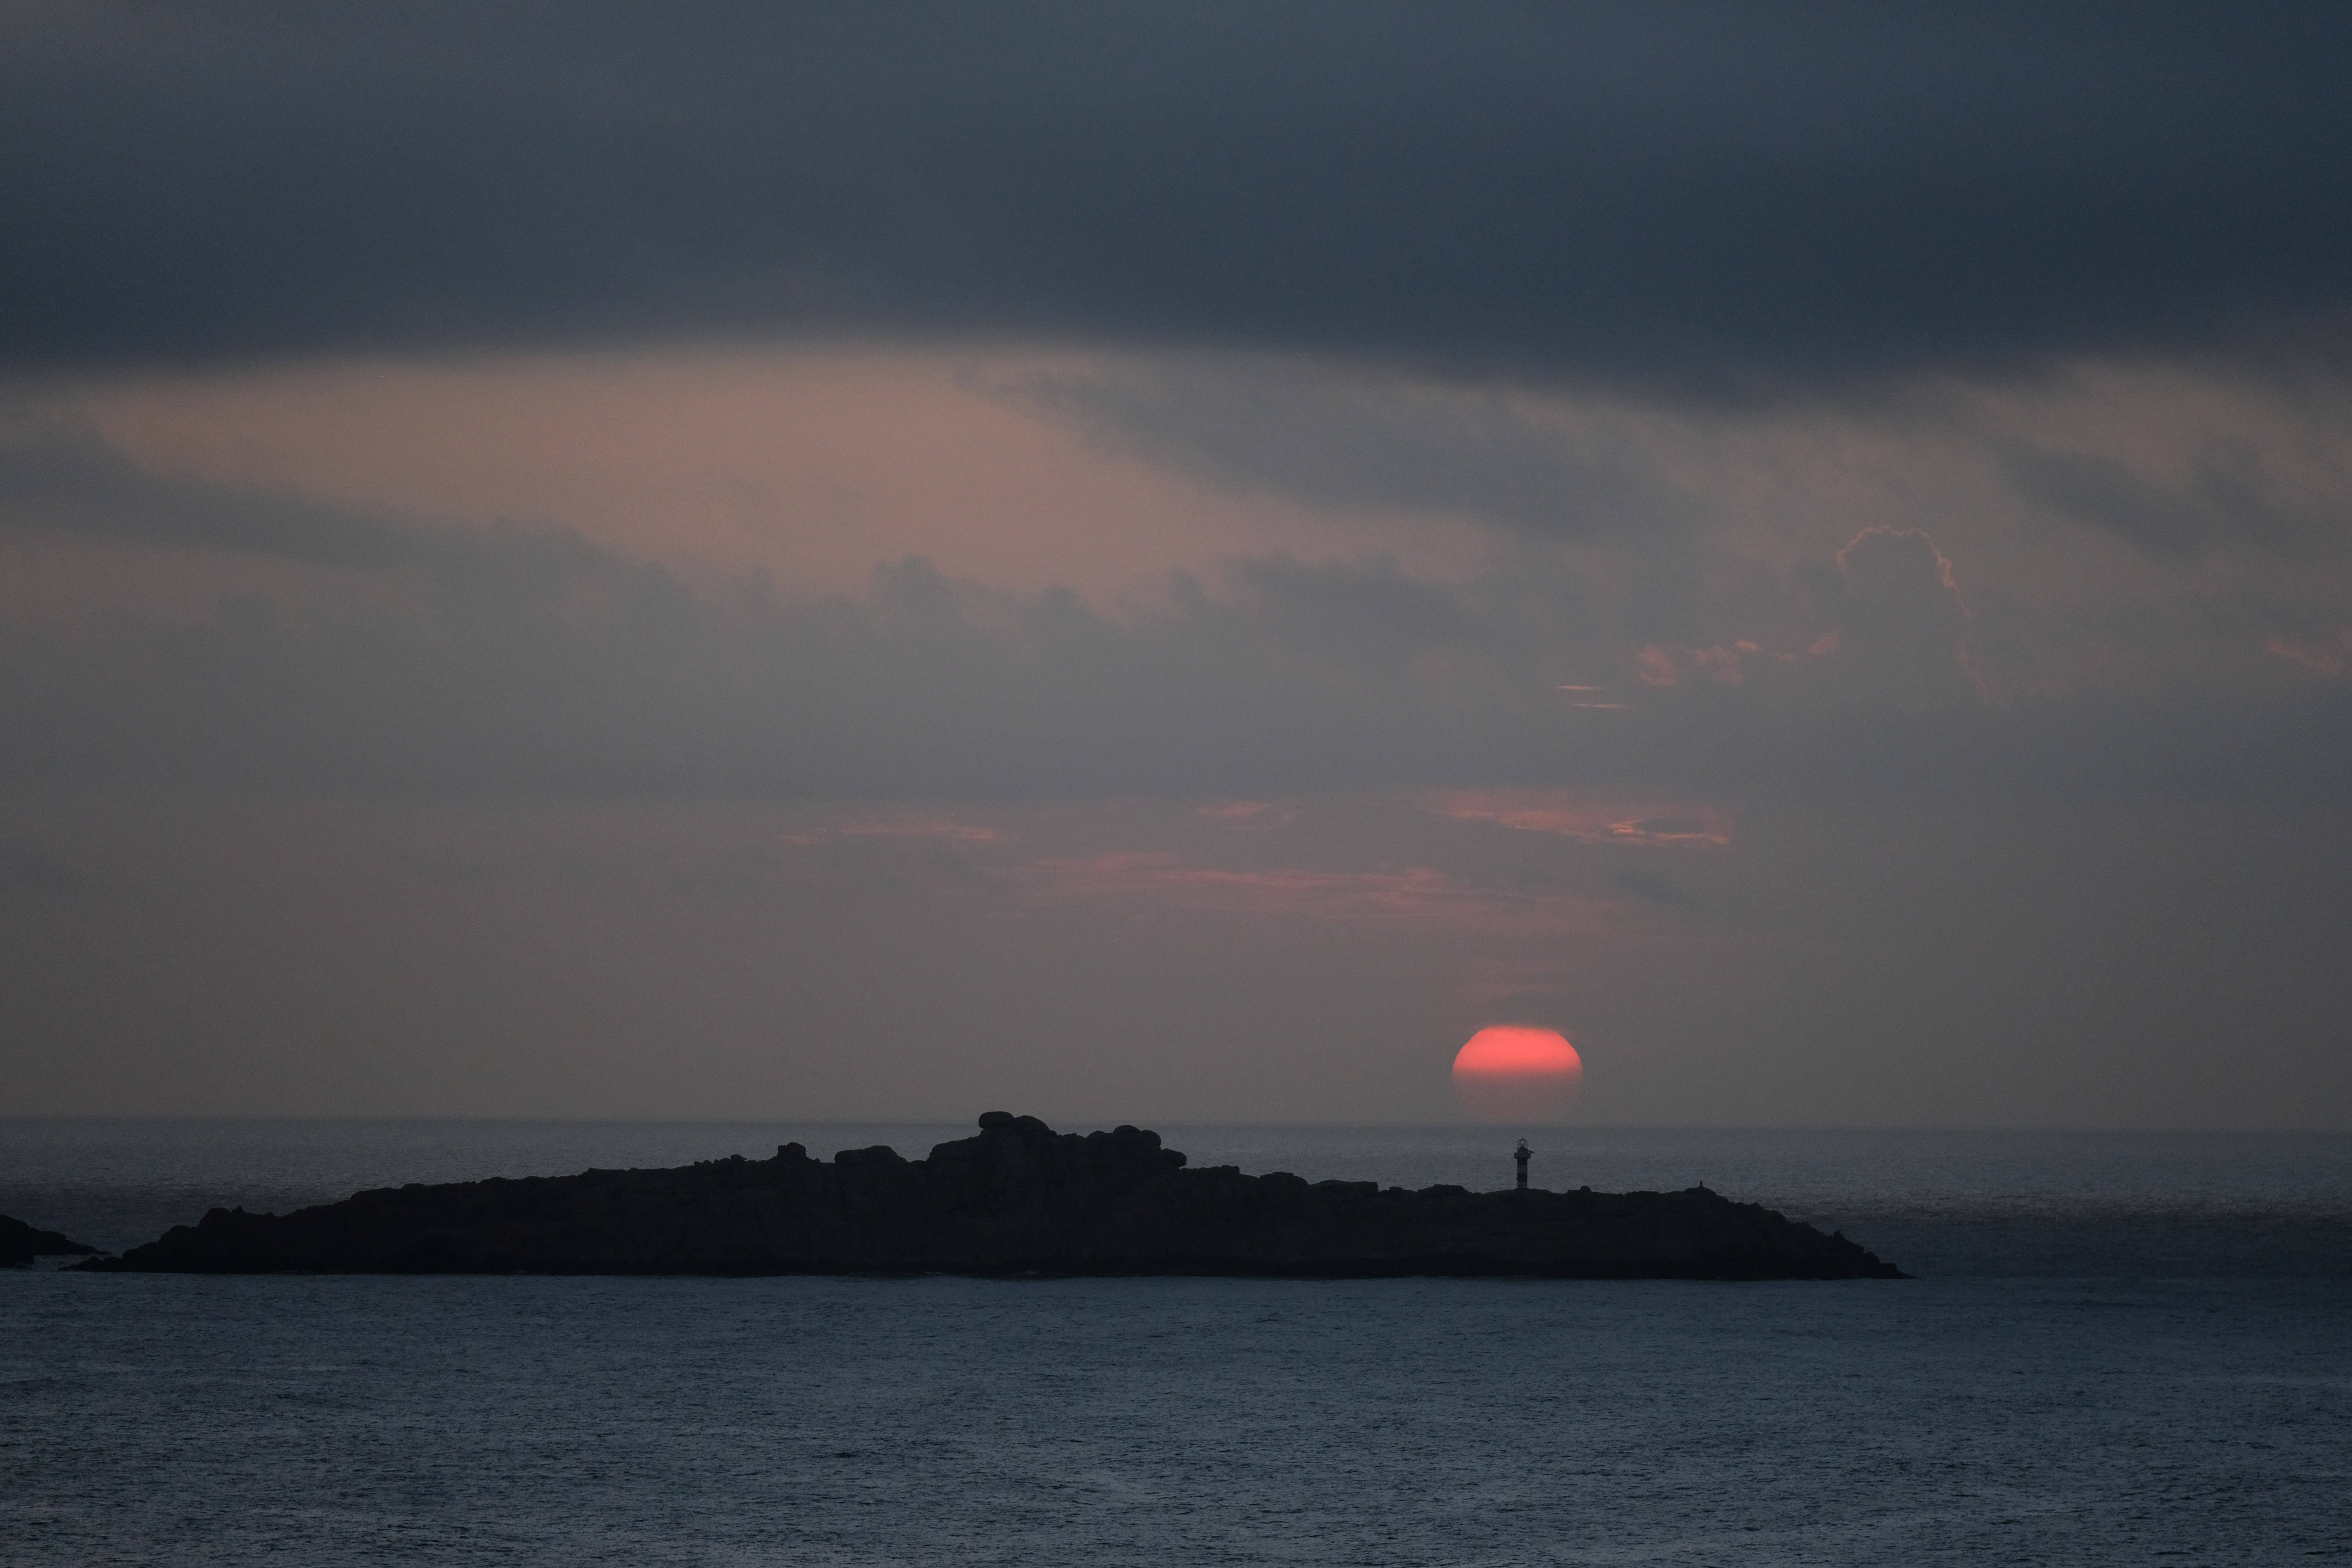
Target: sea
x,y
2117,1348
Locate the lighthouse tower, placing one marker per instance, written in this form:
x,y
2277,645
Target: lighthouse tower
x,y
1520,1154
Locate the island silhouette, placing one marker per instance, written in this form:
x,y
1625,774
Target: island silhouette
x,y
21,1243
1018,1198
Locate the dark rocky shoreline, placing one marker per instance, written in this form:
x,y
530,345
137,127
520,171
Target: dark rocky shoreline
x,y
1016,1199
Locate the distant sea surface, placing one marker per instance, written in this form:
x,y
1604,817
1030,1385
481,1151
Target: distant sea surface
x,y
2120,1348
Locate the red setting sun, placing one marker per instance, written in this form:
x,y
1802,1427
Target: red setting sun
x,y
1516,1073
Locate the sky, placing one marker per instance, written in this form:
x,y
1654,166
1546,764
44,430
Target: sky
x,y
1170,563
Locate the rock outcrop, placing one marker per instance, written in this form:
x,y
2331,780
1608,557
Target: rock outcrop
x,y
20,1244
1017,1199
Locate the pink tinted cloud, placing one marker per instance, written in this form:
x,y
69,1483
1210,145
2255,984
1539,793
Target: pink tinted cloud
x,y
933,828
1660,823
1592,696
1884,572
1416,895
1904,617
2327,657
1250,814
807,465
1726,664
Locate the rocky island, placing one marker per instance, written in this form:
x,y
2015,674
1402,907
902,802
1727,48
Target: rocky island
x,y
1016,1199
21,1243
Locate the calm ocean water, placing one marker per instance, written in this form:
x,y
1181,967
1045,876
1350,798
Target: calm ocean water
x,y
2122,1349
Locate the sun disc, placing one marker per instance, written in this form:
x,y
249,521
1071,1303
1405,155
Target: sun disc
x,y
1516,1073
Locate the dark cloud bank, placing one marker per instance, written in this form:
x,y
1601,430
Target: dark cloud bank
x,y
1675,196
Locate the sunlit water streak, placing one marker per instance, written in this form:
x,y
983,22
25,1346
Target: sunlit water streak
x,y
2098,1367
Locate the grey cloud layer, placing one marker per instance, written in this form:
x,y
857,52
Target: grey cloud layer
x,y
63,478
1366,444
2228,501
1691,195
515,657
1604,471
